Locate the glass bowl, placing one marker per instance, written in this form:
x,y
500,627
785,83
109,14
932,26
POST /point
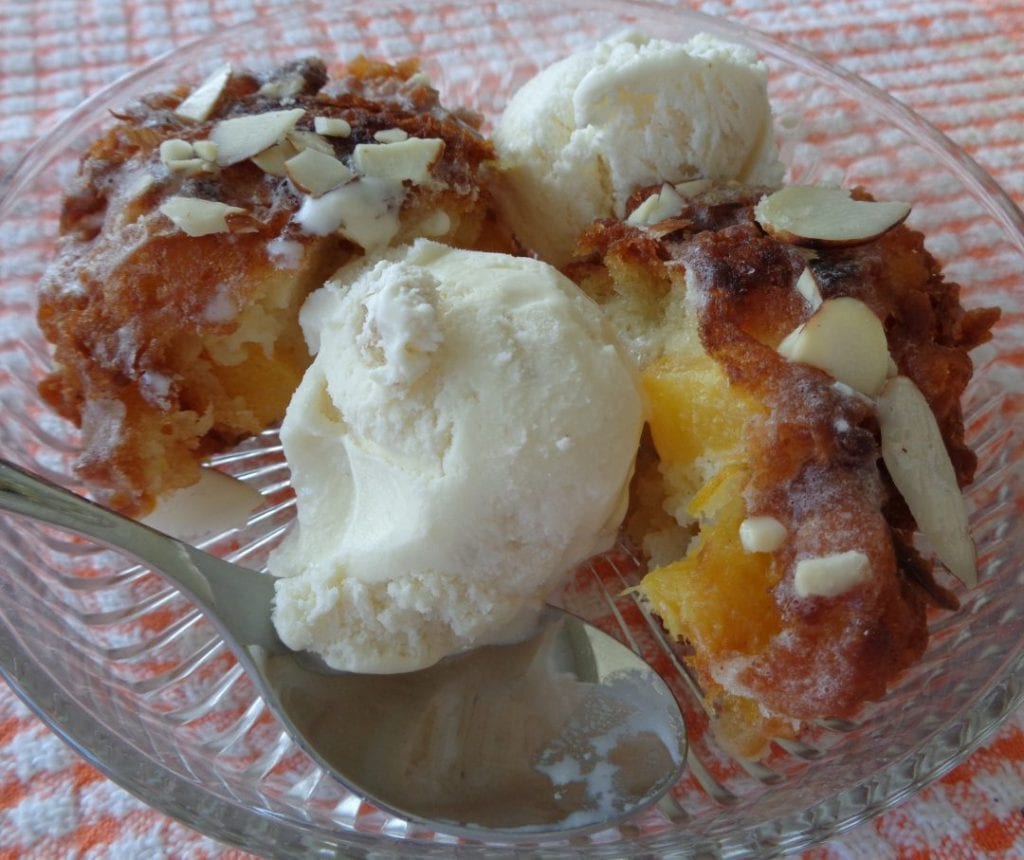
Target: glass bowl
x,y
139,683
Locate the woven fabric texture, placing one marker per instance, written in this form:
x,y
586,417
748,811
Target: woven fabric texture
x,y
958,63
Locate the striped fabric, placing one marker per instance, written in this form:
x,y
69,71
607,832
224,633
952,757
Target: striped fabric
x,y
959,63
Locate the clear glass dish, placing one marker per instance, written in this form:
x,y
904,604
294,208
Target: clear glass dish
x,y
122,668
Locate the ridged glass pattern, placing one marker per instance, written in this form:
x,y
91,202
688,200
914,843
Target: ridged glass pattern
x,y
139,682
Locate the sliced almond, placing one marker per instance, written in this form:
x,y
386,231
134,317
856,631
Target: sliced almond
x,y
315,173
762,534
916,457
668,226
663,204
216,503
846,340
205,149
243,137
693,187
391,135
310,140
175,149
201,102
283,88
332,126
190,166
807,286
830,575
272,160
822,216
197,217
405,160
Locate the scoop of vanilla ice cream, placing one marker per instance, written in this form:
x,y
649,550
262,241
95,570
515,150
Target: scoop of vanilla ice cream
x,y
576,140
463,439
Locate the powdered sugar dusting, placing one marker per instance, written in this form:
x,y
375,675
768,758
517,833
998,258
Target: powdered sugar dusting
x,y
286,253
220,308
155,387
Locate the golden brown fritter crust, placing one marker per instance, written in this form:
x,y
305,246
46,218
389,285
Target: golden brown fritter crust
x,y
811,448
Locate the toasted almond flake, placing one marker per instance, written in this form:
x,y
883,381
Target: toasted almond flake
x,y
844,338
284,88
242,222
807,286
332,126
272,160
205,149
916,457
216,503
818,215
391,135
693,187
310,140
668,227
243,137
663,204
762,534
175,149
201,102
316,173
190,166
831,575
405,160
197,217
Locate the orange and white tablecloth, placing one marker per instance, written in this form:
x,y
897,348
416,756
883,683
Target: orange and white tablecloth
x,y
959,63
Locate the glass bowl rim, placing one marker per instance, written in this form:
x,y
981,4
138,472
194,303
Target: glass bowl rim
x,y
237,824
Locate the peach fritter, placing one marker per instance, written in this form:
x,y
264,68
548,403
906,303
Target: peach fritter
x,y
740,435
193,231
